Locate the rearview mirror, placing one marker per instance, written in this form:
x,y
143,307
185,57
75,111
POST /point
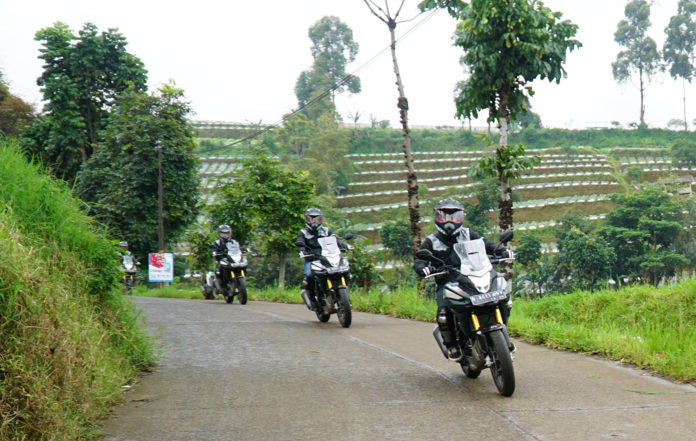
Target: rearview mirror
x,y
506,236
348,236
424,254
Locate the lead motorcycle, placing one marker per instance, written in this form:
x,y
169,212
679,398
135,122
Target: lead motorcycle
x,y
330,270
128,268
232,272
480,302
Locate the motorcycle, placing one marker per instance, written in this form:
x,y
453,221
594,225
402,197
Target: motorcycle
x,y
128,268
480,303
330,270
211,288
232,272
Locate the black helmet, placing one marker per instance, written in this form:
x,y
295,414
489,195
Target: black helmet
x,y
124,245
449,216
224,231
313,218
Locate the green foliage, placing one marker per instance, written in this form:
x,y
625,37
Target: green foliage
x,y
650,327
83,75
199,238
68,339
362,265
333,48
680,45
584,262
264,200
15,114
508,163
396,236
486,194
528,252
507,45
120,181
684,150
641,56
643,231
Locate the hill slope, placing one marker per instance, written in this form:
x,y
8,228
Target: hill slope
x,y
68,339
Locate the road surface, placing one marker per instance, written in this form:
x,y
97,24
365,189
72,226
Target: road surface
x,y
266,371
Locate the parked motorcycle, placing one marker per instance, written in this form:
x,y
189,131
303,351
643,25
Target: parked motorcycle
x,y
233,273
480,302
128,268
330,270
211,288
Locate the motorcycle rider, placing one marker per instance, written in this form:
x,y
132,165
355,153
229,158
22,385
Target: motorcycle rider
x,y
308,245
449,218
219,248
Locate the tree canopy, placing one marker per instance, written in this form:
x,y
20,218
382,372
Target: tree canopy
x,y
641,57
83,75
120,181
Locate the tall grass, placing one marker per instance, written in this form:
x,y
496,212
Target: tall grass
x,y
650,327
68,339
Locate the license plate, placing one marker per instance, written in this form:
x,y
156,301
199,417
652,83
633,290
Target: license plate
x,y
489,297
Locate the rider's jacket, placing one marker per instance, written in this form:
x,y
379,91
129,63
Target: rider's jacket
x,y
307,240
441,247
219,248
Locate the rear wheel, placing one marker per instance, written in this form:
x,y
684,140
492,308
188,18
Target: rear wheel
x,y
345,315
320,310
242,290
501,369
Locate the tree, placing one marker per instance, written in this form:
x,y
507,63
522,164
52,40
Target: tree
x,y
528,252
333,48
486,194
15,114
507,44
643,231
326,158
268,198
385,16
641,57
684,151
294,135
83,75
584,261
120,180
395,236
679,49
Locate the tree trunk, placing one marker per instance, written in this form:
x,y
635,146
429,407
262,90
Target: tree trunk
x,y
642,98
281,271
505,202
412,182
686,125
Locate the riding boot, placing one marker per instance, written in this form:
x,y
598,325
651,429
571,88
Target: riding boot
x,y
308,295
453,351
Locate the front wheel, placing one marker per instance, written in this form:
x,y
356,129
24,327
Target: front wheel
x,y
501,369
242,290
227,294
345,315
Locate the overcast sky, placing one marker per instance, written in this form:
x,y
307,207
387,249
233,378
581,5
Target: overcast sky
x,y
239,60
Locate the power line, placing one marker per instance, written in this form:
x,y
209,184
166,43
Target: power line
x,y
329,90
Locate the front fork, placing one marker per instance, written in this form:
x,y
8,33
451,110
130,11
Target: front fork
x,y
481,334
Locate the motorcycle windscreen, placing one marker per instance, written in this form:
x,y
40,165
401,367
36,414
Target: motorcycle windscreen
x,y
473,257
127,261
234,250
329,246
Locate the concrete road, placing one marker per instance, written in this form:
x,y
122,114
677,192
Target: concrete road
x,y
267,371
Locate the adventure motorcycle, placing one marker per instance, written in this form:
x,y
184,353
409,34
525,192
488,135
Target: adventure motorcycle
x,y
330,270
211,288
128,269
232,273
480,303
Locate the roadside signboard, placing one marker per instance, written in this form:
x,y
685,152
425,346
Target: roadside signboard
x,y
160,267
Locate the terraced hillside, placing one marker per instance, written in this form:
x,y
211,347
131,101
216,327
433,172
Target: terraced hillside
x,y
560,184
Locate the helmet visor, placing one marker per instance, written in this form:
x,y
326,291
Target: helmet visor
x,y
314,219
225,234
454,216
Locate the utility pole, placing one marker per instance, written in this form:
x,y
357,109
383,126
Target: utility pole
x,y
160,198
